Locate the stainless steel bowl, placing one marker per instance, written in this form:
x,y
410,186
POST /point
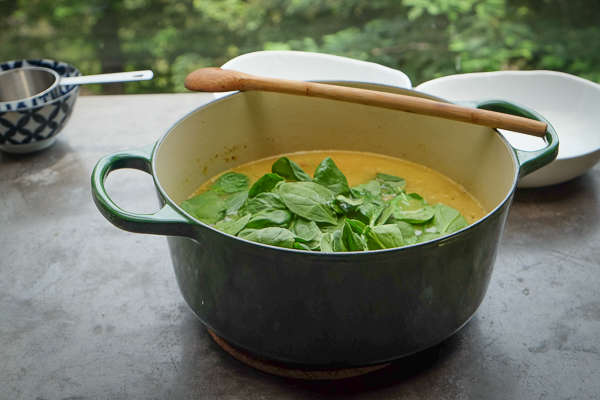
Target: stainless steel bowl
x,y
28,83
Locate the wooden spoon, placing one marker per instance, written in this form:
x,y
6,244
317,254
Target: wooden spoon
x,y
221,80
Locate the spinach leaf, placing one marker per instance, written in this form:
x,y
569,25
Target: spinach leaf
x,y
411,240
385,214
265,183
337,242
372,188
305,230
391,183
369,211
408,232
309,200
235,202
231,182
301,246
327,243
325,227
352,240
277,218
387,211
427,236
233,226
387,236
415,217
279,237
314,244
335,206
290,170
371,244
390,178
447,220
413,208
330,176
207,207
347,205
357,226
265,201
349,201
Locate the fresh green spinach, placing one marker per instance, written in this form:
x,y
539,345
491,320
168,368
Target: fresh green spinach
x,y
327,243
230,182
328,174
276,218
279,237
309,200
447,220
305,229
207,207
387,236
391,183
372,188
289,170
234,202
262,202
352,240
287,208
265,183
413,209
233,226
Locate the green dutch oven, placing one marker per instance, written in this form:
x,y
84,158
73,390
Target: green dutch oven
x,y
326,310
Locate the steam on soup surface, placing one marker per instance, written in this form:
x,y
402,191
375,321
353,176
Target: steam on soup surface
x,y
334,201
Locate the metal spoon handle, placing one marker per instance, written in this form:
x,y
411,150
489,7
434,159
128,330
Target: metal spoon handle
x,y
107,78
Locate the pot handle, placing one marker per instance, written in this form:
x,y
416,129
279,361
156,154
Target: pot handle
x,y
529,161
167,221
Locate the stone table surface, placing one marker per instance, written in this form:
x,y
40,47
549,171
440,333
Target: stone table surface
x,y
88,311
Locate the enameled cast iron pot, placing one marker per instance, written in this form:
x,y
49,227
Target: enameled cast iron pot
x,y
324,310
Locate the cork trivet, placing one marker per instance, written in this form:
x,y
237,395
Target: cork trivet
x,y
273,368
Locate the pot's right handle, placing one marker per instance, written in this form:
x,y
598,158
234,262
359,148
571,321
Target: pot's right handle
x,y
529,161
167,221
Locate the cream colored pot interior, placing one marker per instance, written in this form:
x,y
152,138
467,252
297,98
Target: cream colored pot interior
x,y
249,126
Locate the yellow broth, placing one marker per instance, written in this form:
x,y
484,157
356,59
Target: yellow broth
x,y
362,167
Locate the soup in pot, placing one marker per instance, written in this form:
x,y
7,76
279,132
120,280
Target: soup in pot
x,y
334,201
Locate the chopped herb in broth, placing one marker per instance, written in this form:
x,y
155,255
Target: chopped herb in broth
x,y
288,208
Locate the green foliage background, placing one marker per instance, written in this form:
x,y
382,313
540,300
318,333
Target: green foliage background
x,y
423,38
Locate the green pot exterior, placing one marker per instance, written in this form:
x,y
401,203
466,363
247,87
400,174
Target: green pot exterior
x,y
326,310
336,310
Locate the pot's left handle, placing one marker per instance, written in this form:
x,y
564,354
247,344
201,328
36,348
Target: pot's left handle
x,y
167,221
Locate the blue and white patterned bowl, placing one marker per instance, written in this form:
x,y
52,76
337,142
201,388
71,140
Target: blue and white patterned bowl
x,y
32,124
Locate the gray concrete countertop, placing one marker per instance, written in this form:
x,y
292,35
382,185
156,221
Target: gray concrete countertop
x,y
88,311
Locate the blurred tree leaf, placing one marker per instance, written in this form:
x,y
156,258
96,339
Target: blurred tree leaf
x,y
423,38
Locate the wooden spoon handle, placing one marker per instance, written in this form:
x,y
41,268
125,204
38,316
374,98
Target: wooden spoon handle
x,y
220,80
